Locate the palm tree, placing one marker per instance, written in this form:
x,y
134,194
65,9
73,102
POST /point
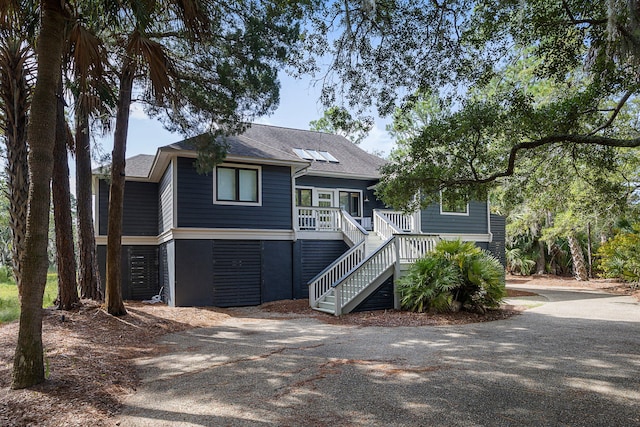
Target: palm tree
x,y
16,85
28,367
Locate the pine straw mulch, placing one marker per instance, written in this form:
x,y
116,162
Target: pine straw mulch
x,y
90,353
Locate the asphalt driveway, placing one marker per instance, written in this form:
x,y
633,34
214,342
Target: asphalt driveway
x,y
572,360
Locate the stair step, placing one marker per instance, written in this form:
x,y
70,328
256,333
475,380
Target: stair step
x,y
324,310
326,305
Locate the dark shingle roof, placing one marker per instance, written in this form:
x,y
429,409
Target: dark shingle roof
x,y
277,143
139,166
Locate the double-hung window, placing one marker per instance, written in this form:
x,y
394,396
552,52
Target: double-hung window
x,y
237,185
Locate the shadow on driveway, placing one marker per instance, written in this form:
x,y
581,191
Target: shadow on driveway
x,y
573,361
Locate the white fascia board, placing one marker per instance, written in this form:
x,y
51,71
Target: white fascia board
x,y
204,234
466,237
341,175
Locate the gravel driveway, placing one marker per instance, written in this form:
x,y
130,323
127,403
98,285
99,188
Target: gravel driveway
x,y
572,360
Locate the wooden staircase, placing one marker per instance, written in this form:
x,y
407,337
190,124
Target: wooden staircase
x,y
353,277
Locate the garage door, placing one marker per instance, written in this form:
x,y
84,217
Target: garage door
x,y
236,273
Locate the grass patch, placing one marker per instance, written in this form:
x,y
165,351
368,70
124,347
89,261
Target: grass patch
x,y
9,304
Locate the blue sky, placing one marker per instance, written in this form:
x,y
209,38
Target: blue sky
x,y
298,106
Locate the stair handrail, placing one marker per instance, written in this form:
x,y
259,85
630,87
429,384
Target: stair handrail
x,y
400,248
321,283
383,225
384,257
405,223
352,229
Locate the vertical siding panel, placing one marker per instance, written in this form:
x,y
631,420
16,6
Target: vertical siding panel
x,y
315,256
497,245
237,268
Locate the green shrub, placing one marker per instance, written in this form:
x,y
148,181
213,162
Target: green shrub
x,y
620,257
429,284
455,274
518,262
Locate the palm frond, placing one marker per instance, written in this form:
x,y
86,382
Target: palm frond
x,y
159,65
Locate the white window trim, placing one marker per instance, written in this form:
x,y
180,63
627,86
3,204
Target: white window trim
x,y
353,190
302,187
316,197
452,213
236,166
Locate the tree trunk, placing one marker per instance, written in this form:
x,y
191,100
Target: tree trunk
x,y
541,262
113,289
88,276
15,92
65,255
579,267
28,364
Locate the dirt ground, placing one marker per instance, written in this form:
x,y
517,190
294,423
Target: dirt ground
x,y
89,353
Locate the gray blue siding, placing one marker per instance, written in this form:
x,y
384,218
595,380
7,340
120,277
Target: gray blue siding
x,y
165,200
474,223
381,299
196,207
140,216
310,258
230,273
497,245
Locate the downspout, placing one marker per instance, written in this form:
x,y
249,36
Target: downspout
x,y
489,220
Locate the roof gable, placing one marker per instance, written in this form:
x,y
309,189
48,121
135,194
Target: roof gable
x,y
264,143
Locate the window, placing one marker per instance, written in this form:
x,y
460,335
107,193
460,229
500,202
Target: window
x,y
350,202
303,197
452,203
237,185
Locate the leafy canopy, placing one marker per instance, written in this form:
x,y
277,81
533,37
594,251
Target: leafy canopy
x,y
338,120
389,54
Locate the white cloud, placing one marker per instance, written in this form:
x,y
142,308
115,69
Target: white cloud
x,y
378,140
137,112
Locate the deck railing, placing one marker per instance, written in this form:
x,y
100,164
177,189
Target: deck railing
x,y
352,229
321,284
405,223
399,249
412,247
383,225
319,219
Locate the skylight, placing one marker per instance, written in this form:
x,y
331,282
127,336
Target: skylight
x,y
302,154
327,155
321,156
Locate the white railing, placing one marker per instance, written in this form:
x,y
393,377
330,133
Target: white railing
x,y
383,226
399,249
358,279
405,223
412,247
354,232
318,219
322,283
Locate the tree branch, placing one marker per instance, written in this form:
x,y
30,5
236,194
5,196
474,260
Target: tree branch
x,y
553,139
615,113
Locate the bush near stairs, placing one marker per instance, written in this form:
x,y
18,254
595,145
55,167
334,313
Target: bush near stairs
x,y
456,275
